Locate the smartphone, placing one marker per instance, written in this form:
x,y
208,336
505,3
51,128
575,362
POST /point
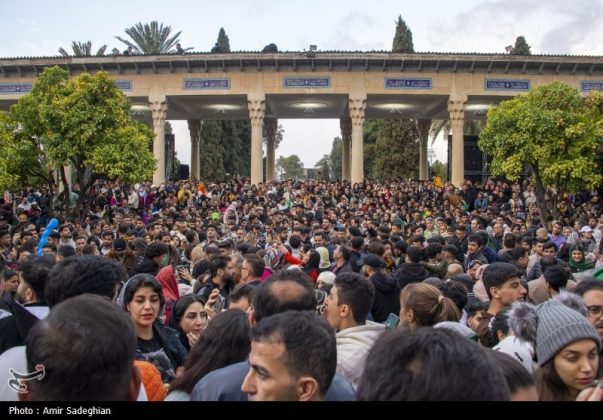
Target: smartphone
x,y
219,305
392,321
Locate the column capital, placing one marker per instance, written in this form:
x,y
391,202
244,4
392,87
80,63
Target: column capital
x,y
257,109
158,104
456,108
357,106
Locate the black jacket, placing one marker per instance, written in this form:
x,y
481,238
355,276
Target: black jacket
x,y
387,296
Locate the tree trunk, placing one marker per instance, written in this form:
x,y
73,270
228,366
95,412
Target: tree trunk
x,y
541,201
66,192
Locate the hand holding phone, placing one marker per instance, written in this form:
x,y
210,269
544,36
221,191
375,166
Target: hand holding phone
x,y
392,321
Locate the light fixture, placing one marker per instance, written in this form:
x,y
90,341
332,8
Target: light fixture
x,y
478,107
222,108
139,109
393,108
308,107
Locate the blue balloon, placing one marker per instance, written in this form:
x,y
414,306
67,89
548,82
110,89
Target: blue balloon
x,y
49,228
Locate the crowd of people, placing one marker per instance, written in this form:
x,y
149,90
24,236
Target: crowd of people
x,y
301,290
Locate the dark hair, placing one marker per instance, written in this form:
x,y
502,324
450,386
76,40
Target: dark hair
x,y
256,264
345,252
456,292
139,281
180,307
35,270
309,342
225,341
285,290
516,376
500,322
477,238
156,249
549,244
83,274
496,274
219,262
357,242
356,291
87,345
414,254
244,291
66,251
556,276
415,365
586,285
295,241
464,279
376,248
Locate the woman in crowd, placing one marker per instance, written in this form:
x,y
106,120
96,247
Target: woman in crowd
x,y
225,341
567,346
189,319
143,300
423,305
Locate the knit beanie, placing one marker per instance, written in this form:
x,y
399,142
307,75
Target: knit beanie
x,y
560,326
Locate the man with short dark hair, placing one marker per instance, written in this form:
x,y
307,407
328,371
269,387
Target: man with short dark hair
x,y
503,286
284,291
387,293
346,310
293,358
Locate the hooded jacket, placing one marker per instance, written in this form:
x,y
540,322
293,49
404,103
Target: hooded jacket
x,y
353,346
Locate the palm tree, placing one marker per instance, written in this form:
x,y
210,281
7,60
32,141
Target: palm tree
x,y
82,49
152,38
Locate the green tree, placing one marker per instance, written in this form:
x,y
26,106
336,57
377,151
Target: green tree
x,y
556,133
521,47
82,49
441,169
398,143
336,159
381,136
151,38
324,166
278,136
470,128
291,166
403,38
83,122
212,151
223,43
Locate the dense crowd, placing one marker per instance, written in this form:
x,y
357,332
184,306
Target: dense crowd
x,y
288,290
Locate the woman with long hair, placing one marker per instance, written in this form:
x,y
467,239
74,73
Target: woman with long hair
x,y
143,299
423,305
225,341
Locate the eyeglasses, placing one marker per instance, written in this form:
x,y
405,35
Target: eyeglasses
x,y
595,310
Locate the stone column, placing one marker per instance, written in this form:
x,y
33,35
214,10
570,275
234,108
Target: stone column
x,y
456,108
257,109
159,113
357,105
423,129
271,125
346,140
194,127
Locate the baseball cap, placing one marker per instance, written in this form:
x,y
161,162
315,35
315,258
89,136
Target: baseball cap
x,y
585,229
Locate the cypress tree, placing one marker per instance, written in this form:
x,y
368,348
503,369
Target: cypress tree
x,y
403,38
223,43
521,47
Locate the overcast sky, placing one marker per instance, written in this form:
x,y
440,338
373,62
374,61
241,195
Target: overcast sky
x,y
39,28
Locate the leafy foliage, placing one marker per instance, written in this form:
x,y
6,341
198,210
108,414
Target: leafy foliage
x,y
331,165
398,146
521,47
212,151
82,49
292,166
151,38
440,169
84,122
553,131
